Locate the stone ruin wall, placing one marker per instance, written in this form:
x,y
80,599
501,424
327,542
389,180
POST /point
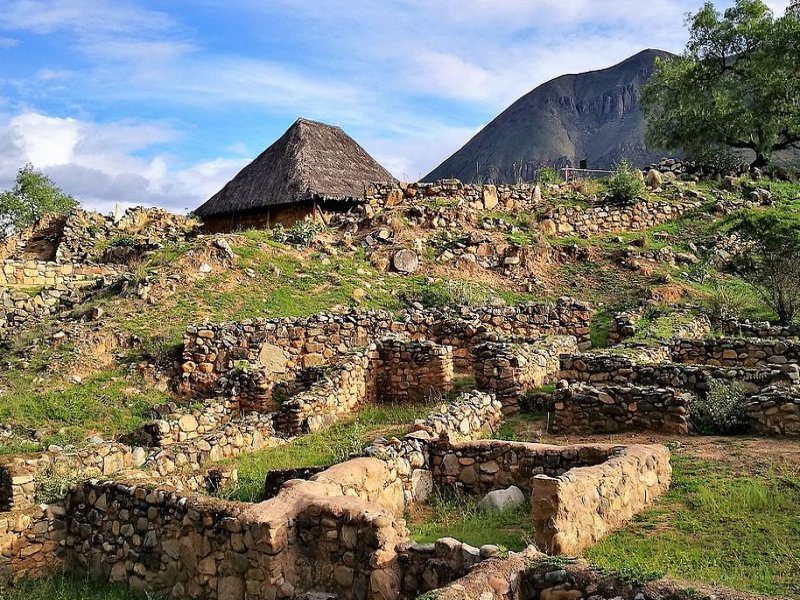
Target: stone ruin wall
x,y
574,511
531,575
730,352
580,409
511,367
413,371
578,493
762,330
560,220
644,214
286,346
601,369
772,394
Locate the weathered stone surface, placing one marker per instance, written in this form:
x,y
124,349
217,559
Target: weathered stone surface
x,y
500,500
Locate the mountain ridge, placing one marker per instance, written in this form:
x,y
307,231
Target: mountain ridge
x,y
593,115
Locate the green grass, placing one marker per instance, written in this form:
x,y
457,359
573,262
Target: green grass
x,y
324,447
738,530
458,516
103,403
70,587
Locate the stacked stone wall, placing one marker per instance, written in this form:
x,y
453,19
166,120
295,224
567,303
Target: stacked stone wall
x,y
761,329
531,575
510,368
288,345
576,510
413,371
728,352
775,411
481,466
313,536
602,369
351,383
581,409
31,542
644,214
472,415
478,196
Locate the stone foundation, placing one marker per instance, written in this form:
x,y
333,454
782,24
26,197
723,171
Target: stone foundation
x,y
775,411
413,372
582,409
283,347
508,369
732,352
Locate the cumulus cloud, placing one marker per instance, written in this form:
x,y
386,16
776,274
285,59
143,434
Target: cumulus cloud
x,y
99,163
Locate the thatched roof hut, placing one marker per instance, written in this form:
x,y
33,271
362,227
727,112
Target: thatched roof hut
x,y
311,163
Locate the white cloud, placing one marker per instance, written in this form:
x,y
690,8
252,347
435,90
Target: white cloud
x,y
7,42
97,163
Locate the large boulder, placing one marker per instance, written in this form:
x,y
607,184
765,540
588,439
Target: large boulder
x,y
500,500
406,261
654,179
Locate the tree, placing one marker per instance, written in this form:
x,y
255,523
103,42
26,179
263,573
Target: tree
x,y
34,194
736,85
771,263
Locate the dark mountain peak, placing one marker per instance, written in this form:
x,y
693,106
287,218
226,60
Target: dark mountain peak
x,y
593,116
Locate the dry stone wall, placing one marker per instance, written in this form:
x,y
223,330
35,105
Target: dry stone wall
x,y
575,510
602,369
283,347
310,537
745,352
775,411
531,575
350,385
581,409
479,196
31,542
644,214
761,330
509,368
413,371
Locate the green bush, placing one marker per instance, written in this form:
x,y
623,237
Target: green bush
x,y
302,233
721,411
725,303
626,184
547,175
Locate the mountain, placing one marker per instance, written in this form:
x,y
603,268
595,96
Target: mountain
x,y
593,116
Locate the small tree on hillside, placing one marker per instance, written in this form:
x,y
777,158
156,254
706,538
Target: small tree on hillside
x,y
772,262
737,84
33,195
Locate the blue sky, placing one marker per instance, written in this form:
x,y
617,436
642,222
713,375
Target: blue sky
x,y
160,102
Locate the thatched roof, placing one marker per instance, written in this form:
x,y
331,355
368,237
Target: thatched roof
x,y
311,160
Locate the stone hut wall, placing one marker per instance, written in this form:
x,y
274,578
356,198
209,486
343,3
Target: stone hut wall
x,y
574,511
413,371
744,352
308,538
582,409
645,214
479,196
352,383
481,466
472,415
761,330
775,411
286,346
602,369
531,575
31,542
509,368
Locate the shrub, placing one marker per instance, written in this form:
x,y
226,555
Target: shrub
x,y
721,411
626,183
302,233
547,175
725,303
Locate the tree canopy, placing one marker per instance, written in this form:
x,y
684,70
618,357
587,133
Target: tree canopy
x,y
736,85
34,194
